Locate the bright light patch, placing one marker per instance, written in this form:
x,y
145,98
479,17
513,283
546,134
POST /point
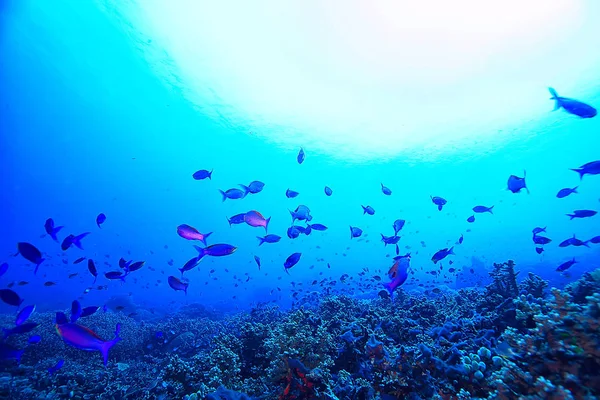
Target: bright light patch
x,y
371,78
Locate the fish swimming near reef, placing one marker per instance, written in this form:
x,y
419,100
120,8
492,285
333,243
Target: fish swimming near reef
x,y
177,284
398,276
572,106
83,338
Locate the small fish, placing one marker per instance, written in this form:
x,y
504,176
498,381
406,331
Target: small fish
x,y
177,284
190,264
328,191
398,225
31,254
35,339
317,227
24,314
75,311
92,269
80,259
573,241
10,297
562,193
301,156
572,106
100,219
84,338
254,187
482,209
215,250
515,184
471,219
294,231
114,275
566,265
3,268
595,240
255,219
51,229
591,168
56,368
87,311
232,194
539,250
202,174
460,239
441,254
386,190
22,283
135,266
389,239
268,239
537,230
190,233
368,210
302,213
439,202
257,259
355,232
236,219
20,329
290,194
291,261
73,240
49,283
582,214
541,239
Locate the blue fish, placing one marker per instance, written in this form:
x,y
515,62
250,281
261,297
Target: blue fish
x,y
573,241
268,239
389,239
254,187
31,254
562,193
92,269
386,190
328,191
301,156
55,368
35,339
537,230
591,168
572,106
595,240
302,213
398,225
233,194
441,254
24,314
290,194
471,219
75,311
293,232
440,202
3,268
257,259
368,210
10,297
190,264
73,240
355,232
51,229
566,265
482,209
87,311
236,219
515,184
582,214
291,261
318,227
460,239
541,239
100,219
539,250
202,174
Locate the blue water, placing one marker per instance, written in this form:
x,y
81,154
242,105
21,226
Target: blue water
x,y
90,124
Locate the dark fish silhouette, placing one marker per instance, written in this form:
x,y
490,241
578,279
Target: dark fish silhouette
x,y
328,191
562,193
368,210
301,156
254,187
100,219
10,297
572,106
386,190
31,254
591,168
202,174
439,202
177,284
51,229
582,214
482,209
515,184
233,194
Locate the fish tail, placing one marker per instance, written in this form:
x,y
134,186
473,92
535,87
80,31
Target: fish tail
x,y
37,266
260,240
267,224
575,189
490,210
555,97
210,174
246,189
451,251
223,194
205,237
77,240
106,346
95,278
571,215
580,171
364,210
440,207
350,232
201,252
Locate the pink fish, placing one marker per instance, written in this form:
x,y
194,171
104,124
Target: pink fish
x,y
191,233
84,338
254,218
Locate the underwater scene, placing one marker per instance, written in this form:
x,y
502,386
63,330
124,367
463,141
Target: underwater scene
x,y
299,200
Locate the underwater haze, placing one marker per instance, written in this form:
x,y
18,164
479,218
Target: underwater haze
x,y
266,200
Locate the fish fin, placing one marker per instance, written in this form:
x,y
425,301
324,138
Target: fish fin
x,y
364,210
451,251
575,189
106,346
260,240
570,215
37,266
223,194
440,207
267,224
201,252
205,237
54,232
350,232
246,189
580,171
77,240
557,103
397,249
210,174
490,210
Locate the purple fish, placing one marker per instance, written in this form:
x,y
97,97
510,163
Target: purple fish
x,y
73,240
177,284
75,311
51,229
255,219
191,233
268,239
24,314
515,184
55,368
233,194
202,174
482,209
215,250
400,275
84,338
572,106
100,219
92,269
582,214
386,190
31,254
10,297
591,168
301,156
328,191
